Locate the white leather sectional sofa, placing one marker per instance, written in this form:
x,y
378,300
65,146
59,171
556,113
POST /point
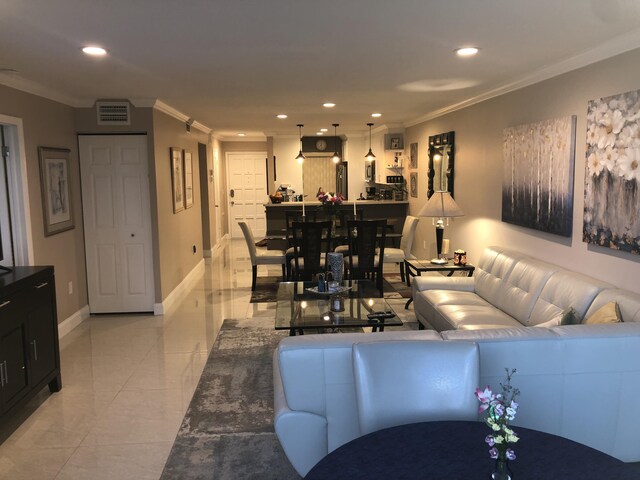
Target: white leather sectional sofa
x,y
579,381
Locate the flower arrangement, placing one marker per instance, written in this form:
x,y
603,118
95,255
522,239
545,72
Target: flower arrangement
x,y
501,409
330,202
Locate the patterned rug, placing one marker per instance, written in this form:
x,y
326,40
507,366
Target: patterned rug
x,y
227,432
267,288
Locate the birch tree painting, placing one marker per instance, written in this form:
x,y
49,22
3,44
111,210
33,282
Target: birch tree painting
x,y
611,198
537,185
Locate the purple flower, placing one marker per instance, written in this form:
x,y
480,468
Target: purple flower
x,y
498,409
489,440
493,452
511,455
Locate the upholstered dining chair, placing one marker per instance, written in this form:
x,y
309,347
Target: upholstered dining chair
x,y
311,242
398,255
365,243
400,382
290,217
261,257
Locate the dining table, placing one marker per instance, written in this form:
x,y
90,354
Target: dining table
x,y
456,450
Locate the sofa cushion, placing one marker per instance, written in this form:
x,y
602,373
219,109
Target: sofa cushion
x,y
565,289
494,266
608,313
457,316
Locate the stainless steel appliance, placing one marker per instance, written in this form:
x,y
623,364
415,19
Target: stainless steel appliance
x,y
371,193
370,171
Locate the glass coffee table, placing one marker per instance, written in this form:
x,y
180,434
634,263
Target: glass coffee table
x,y
299,308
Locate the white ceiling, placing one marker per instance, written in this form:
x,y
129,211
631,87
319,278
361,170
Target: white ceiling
x,y
232,65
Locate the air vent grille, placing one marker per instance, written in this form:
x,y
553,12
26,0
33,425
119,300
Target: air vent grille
x,y
113,113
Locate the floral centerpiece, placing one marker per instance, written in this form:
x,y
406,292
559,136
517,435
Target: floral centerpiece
x,y
330,202
501,408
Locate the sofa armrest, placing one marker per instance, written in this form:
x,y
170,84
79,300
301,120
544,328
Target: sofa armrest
x,y
463,284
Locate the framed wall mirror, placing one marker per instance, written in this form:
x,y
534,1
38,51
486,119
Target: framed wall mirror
x,y
441,163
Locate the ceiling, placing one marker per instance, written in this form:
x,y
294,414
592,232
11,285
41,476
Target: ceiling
x,y
232,65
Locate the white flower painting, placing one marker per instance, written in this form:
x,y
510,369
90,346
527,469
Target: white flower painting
x,y
612,201
537,186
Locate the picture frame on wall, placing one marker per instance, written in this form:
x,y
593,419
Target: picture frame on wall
x,y
188,180
413,184
413,158
56,189
394,143
177,179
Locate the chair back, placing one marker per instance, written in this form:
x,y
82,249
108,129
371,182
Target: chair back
x,y
291,216
345,215
251,243
408,232
366,239
311,242
400,382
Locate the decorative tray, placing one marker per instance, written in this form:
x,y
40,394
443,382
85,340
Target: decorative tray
x,y
328,294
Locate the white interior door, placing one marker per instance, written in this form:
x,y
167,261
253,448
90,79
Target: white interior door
x,y
117,222
247,183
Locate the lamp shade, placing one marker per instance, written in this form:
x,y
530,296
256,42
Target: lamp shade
x,y
441,205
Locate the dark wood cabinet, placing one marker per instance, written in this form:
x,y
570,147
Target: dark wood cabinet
x,y
29,348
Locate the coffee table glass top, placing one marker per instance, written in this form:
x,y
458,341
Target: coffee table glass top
x,y
298,308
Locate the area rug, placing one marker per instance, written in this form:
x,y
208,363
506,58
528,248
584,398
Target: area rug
x,y
267,288
227,432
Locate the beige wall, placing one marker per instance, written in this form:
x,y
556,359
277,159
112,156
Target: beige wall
x,y
177,233
478,170
51,124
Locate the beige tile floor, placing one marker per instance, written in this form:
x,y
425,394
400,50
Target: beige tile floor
x,y
127,382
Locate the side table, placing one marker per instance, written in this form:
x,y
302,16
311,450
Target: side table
x,y
414,268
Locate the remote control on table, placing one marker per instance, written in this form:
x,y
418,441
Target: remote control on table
x,y
380,315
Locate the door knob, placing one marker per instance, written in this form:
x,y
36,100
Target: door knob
x,y
133,235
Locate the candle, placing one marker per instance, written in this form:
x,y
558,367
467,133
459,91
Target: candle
x,y
354,208
303,205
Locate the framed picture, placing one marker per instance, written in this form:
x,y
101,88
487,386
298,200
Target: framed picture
x,y
177,179
56,189
413,184
188,180
394,143
413,159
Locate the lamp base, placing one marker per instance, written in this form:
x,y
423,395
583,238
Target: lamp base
x,y
439,261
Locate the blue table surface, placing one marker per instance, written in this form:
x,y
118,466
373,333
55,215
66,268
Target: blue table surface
x,y
456,450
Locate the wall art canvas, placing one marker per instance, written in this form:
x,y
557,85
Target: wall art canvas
x,y
56,189
413,159
537,185
177,179
188,180
413,184
611,196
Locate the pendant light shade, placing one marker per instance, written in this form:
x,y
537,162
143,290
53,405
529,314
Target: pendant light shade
x,y
300,158
370,156
336,155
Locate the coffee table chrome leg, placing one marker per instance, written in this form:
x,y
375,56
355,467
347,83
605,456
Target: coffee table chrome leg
x,y
406,305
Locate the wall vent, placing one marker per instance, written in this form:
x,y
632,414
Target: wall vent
x,y
113,113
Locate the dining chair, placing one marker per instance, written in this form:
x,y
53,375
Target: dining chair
x,y
398,255
365,241
344,216
261,257
290,217
311,242
401,382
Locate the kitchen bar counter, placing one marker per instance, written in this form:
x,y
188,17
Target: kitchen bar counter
x,y
394,212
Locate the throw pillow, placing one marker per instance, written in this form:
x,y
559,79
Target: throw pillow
x,y
569,317
554,322
608,313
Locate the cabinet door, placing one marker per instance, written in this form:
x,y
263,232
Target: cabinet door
x,y
41,333
13,364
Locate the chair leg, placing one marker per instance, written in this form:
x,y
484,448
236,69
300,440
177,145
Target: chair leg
x,y
402,271
254,277
284,273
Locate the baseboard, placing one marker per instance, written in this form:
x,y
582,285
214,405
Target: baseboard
x,y
177,293
73,321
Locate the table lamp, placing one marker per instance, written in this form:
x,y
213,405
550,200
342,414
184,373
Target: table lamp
x,y
441,205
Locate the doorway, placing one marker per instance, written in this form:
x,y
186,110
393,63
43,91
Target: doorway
x,y
114,174
247,183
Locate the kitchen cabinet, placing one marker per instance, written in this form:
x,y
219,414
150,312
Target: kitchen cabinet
x,y
29,346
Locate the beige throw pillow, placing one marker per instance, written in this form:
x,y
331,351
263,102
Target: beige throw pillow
x,y
608,313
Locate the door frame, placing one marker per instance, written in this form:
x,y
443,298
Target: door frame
x,y
227,198
19,191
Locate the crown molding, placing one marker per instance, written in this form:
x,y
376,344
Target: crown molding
x,y
242,139
177,114
616,46
17,82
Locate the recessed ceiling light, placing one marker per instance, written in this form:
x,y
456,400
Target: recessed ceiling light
x,y
328,104
323,129
467,51
319,133
95,51
376,115
281,115
242,134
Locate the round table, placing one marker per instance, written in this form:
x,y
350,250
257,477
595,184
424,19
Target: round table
x,y
456,450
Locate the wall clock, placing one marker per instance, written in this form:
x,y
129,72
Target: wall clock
x,y
321,144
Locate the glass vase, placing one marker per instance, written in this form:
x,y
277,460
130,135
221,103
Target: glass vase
x,y
502,471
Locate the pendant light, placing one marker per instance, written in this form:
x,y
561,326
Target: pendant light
x,y
336,155
370,156
300,158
